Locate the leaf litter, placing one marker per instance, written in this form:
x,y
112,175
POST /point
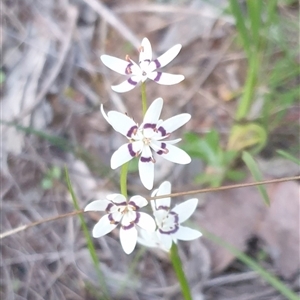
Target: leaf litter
x,y
54,83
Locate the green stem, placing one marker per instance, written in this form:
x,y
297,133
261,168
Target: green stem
x,y
144,98
247,98
177,266
123,179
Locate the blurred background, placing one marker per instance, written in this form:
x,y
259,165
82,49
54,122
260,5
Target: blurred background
x,y
240,60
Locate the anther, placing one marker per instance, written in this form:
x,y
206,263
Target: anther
x,y
127,58
141,49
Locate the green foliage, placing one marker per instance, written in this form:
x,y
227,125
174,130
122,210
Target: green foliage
x,y
52,174
218,161
247,136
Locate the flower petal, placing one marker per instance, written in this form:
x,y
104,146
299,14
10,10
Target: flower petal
x,y
176,155
121,123
146,50
185,209
164,189
187,234
138,201
97,205
165,240
128,238
168,56
126,85
104,226
165,78
146,169
146,222
174,123
116,64
153,112
118,199
120,157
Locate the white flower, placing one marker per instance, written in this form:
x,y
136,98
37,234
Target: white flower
x,y
149,136
168,220
124,212
145,69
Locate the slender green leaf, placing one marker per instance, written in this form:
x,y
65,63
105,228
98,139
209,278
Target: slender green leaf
x,y
177,266
252,166
289,156
251,263
88,238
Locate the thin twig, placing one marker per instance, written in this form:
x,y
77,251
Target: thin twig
x,y
228,187
222,188
23,227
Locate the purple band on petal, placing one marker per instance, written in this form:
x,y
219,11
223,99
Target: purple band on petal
x,y
128,68
111,219
157,78
146,159
131,225
132,82
176,219
157,63
163,146
138,217
121,203
109,206
149,125
162,131
130,149
171,231
132,203
163,207
131,131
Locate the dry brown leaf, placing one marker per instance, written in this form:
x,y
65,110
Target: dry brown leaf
x,y
237,215
280,228
232,215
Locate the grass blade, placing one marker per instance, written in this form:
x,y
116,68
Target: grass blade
x,y
251,263
289,156
87,235
252,166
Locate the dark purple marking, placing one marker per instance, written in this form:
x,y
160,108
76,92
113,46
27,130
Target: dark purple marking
x,y
157,63
131,81
132,203
148,125
130,149
157,78
109,206
128,68
162,131
111,219
163,146
128,227
146,159
147,60
131,131
163,207
176,227
176,218
137,218
121,203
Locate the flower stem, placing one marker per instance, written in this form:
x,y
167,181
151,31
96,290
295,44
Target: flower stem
x,y
123,179
144,97
177,266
